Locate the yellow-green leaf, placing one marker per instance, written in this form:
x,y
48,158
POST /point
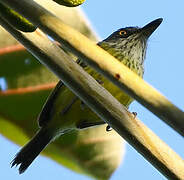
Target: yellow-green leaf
x,y
15,19
28,85
70,3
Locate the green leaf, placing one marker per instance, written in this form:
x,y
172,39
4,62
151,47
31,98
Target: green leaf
x,y
28,85
16,19
70,3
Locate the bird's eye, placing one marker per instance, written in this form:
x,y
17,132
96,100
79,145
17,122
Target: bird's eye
x,y
122,33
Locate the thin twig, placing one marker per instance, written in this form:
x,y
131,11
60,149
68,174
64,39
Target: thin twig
x,y
103,103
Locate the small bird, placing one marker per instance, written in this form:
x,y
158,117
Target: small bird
x,y
63,111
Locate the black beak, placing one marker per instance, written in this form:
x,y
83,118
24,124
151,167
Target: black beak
x,y
148,29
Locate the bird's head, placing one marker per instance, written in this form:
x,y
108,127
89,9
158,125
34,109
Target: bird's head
x,y
131,42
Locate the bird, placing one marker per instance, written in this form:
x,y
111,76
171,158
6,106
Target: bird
x,y
64,112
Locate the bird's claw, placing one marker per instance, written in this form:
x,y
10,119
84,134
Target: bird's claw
x,y
134,114
108,128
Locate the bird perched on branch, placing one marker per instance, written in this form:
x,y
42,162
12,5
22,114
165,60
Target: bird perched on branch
x,y
64,112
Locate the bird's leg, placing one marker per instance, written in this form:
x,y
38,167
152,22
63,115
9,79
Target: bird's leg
x,y
86,124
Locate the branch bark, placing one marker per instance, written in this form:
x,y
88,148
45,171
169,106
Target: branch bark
x,y
102,102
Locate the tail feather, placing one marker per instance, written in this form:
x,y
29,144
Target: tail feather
x,y
31,150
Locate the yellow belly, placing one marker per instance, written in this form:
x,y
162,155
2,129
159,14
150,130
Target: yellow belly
x,y
78,112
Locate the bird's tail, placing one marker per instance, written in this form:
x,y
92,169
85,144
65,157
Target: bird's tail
x,y
32,149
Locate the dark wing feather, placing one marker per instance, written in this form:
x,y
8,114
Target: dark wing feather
x,y
46,112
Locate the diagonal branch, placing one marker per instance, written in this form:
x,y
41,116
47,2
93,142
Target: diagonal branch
x,y
102,102
102,62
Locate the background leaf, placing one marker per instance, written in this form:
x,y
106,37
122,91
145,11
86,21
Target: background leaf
x,y
28,84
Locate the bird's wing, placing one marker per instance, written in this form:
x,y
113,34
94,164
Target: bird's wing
x,y
46,112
